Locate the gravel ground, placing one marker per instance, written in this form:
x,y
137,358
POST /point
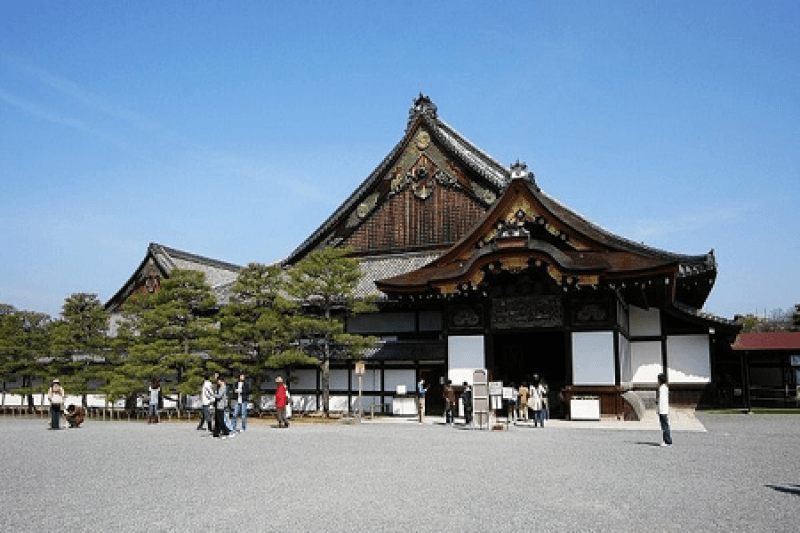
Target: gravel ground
x,y
741,474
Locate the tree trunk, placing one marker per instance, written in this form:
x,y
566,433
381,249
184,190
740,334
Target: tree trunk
x,y
326,382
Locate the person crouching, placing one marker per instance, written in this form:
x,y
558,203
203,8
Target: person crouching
x,y
75,415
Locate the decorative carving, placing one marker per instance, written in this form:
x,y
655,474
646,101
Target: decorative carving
x,y
446,179
527,312
465,318
423,140
592,312
152,280
367,205
483,194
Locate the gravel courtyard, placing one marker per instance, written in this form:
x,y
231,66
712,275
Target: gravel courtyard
x,y
743,473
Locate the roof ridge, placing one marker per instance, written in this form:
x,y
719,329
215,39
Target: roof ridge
x,y
170,252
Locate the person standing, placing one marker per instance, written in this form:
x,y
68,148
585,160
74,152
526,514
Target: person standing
x,y
206,397
242,396
220,400
466,399
662,397
421,390
535,402
523,401
280,403
449,402
154,399
56,396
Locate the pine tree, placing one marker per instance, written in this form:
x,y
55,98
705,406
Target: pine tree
x,y
24,343
324,284
167,335
255,326
79,342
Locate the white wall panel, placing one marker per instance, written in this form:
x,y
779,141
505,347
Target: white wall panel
x,y
626,369
646,361
370,381
394,377
465,355
593,358
645,322
688,359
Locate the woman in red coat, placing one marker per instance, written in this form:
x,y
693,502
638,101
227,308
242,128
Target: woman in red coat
x,y
280,403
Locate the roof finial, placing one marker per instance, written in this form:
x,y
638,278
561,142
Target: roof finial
x,y
422,106
520,171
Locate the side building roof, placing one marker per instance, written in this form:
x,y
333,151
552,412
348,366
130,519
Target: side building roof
x,y
160,260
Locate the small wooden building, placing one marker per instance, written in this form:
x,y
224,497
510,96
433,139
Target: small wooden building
x,y
771,363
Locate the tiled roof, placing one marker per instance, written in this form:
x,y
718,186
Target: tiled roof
x,y
386,266
776,340
219,274
705,316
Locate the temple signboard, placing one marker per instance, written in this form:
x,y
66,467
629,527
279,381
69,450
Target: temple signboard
x,y
527,312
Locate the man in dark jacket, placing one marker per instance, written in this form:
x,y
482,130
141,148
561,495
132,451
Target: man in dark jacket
x,y
241,395
220,401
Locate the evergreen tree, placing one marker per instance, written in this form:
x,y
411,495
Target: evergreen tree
x,y
79,342
324,284
24,343
255,325
166,335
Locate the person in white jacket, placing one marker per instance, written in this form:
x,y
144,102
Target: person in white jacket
x,y
663,409
56,396
206,397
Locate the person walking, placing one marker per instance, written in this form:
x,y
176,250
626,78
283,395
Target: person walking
x,y
154,399
220,400
206,397
662,397
280,403
449,402
421,390
523,401
242,396
56,396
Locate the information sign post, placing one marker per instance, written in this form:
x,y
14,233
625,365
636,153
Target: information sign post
x,y
480,397
360,368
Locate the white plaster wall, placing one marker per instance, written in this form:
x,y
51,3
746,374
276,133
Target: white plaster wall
x,y
465,355
338,403
395,377
626,369
646,361
304,402
645,322
688,359
370,381
593,358
12,400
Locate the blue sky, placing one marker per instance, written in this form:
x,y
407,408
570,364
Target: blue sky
x,y
233,129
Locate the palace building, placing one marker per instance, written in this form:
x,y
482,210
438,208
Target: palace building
x,y
474,266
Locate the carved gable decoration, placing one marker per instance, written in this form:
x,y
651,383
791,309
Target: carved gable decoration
x,y
425,199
